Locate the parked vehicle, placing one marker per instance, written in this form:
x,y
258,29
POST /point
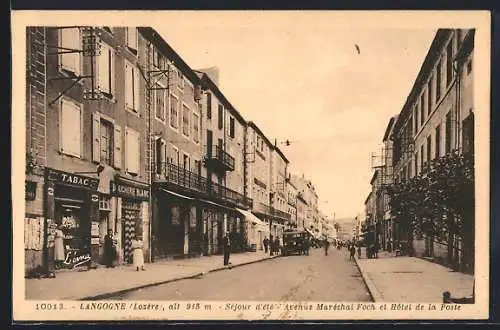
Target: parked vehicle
x,y
294,242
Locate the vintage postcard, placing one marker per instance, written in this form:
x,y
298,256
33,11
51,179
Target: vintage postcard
x,y
250,165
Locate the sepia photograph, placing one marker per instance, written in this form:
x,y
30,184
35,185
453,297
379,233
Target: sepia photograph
x,y
250,165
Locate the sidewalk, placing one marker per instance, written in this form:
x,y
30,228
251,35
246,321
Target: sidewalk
x,y
102,282
409,279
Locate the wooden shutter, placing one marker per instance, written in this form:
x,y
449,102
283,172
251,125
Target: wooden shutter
x,y
70,38
129,87
118,146
103,69
135,88
96,137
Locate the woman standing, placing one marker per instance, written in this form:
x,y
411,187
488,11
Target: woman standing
x,y
109,250
137,254
59,247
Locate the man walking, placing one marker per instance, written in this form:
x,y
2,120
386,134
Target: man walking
x,y
227,249
266,244
326,245
352,252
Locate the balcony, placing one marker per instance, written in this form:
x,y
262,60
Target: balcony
x,y
261,208
280,214
193,182
219,160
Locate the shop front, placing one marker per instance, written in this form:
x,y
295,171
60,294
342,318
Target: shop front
x,y
131,201
71,207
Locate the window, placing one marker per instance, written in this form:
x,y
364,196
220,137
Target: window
x,y
180,80
416,163
422,111
447,146
106,142
160,148
438,81
422,103
132,151
173,157
231,127
417,118
159,95
131,36
70,38
469,67
71,128
131,87
105,70
220,117
196,127
468,133
186,162
197,167
422,156
437,142
428,149
209,106
174,111
449,62
185,120
429,95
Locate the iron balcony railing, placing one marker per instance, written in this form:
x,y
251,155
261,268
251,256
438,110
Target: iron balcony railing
x,y
216,154
192,181
281,214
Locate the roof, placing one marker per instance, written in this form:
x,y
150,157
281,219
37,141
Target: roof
x,y
368,197
374,176
428,65
210,84
160,43
389,127
281,154
256,128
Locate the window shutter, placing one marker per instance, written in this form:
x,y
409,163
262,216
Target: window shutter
x,y
103,69
127,150
129,101
135,77
70,38
118,146
96,140
137,156
163,152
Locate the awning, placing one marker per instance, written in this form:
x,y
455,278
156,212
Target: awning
x,y
218,205
252,218
176,194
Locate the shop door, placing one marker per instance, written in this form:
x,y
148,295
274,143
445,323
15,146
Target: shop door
x,y
130,216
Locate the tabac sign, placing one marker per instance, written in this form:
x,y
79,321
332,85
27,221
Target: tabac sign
x,y
129,189
71,179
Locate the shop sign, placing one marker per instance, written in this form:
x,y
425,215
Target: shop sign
x,y
123,189
72,179
30,190
76,258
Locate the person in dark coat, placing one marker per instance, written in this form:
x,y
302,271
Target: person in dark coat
x,y
352,252
277,246
266,244
326,245
227,249
109,250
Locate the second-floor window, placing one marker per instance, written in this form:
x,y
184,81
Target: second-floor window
x,y
71,128
105,70
132,151
174,112
422,105
429,149
231,127
160,154
131,87
196,127
438,81
70,38
185,120
449,62
106,142
447,137
220,117
429,95
437,142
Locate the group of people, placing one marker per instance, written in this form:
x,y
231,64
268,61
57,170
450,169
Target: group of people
x,y
110,253
273,245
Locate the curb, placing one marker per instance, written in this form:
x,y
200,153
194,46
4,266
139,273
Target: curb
x,y
109,295
372,289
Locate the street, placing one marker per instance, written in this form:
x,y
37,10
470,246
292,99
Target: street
x,y
293,278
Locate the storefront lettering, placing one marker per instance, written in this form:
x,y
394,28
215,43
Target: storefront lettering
x,y
75,260
73,179
129,191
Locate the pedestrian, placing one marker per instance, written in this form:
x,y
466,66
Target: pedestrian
x,y
276,246
109,249
59,247
326,245
359,251
307,246
352,251
227,248
137,254
266,244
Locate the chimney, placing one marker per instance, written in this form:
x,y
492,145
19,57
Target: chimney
x,y
213,73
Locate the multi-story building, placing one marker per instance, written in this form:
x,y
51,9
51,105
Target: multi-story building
x,y
437,117
307,202
292,195
279,199
88,141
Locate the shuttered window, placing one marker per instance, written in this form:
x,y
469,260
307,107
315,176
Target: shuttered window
x,y
71,128
69,39
185,120
132,151
132,41
131,87
196,127
105,70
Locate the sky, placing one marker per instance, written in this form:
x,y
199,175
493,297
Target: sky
x,y
301,78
